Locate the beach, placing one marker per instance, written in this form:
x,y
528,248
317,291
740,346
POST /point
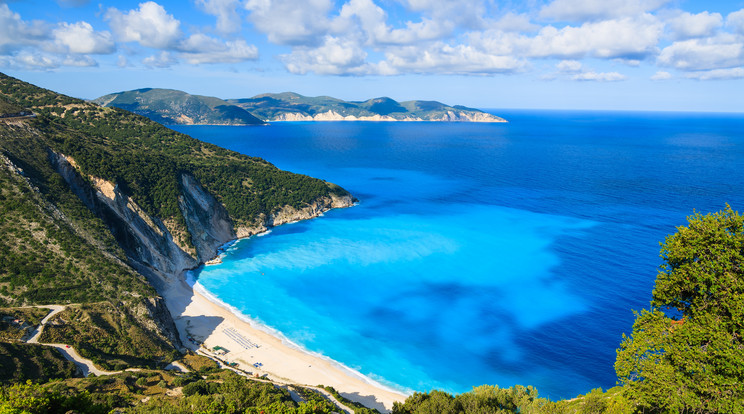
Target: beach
x,y
209,324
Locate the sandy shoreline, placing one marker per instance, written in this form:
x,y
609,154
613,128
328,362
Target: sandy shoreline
x,y
213,325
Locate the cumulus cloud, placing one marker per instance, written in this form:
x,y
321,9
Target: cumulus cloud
x,y
721,52
686,25
462,13
628,38
200,48
16,33
735,21
661,75
335,57
81,38
718,74
291,22
511,22
583,10
569,66
163,59
449,59
228,19
149,25
599,77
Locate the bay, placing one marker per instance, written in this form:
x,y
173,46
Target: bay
x,y
479,253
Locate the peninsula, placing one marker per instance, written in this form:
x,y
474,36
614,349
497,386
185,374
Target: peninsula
x,y
176,107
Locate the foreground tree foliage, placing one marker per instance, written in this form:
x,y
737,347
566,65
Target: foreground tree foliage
x,y
686,354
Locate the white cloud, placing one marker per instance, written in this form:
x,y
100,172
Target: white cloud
x,y
364,16
163,59
16,33
122,61
583,10
36,61
335,57
81,38
599,77
721,52
78,60
511,22
735,21
454,13
149,25
718,74
661,75
228,19
629,38
291,22
569,66
218,52
448,59
686,25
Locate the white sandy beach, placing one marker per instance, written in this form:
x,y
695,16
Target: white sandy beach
x,y
214,325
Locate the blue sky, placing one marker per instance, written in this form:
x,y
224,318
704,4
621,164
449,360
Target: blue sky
x,y
557,54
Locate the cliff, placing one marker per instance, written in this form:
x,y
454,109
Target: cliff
x,y
175,107
289,106
103,209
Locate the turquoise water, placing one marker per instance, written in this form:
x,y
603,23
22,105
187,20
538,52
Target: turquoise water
x,y
500,254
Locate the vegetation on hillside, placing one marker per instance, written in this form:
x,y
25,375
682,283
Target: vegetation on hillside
x,y
111,335
20,362
146,159
168,107
221,392
686,354
272,106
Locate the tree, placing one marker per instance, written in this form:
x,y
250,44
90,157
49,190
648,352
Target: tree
x,y
686,354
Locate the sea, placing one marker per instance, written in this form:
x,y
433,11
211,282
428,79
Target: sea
x,y
499,254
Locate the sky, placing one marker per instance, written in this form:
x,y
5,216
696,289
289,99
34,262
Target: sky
x,y
659,55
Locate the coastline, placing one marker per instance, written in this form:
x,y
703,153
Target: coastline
x,y
211,323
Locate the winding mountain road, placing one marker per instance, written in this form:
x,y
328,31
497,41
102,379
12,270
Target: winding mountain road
x,y
85,365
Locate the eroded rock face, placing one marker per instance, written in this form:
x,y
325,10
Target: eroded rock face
x,y
151,244
207,220
145,239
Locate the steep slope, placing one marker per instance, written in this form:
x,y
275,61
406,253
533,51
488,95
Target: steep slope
x,y
289,106
99,205
169,107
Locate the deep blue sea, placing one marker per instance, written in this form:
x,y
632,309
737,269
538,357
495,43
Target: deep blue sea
x,y
479,253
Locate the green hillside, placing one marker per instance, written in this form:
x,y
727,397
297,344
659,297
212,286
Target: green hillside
x,y
62,244
289,105
169,107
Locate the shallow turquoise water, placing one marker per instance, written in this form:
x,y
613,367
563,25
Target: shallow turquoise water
x,y
497,254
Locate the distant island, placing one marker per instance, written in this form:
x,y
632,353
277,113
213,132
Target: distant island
x,y
168,106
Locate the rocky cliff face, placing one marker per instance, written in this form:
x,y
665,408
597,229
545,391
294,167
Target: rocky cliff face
x,y
146,240
207,220
151,244
449,116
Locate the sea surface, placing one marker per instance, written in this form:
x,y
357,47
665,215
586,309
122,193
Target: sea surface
x,y
478,253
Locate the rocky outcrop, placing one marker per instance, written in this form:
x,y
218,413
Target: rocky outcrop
x,y
449,116
153,314
150,244
206,219
145,239
290,214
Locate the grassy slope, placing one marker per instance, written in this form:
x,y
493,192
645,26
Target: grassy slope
x,y
169,106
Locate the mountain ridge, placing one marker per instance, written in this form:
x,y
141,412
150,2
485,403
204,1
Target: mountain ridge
x,y
169,106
